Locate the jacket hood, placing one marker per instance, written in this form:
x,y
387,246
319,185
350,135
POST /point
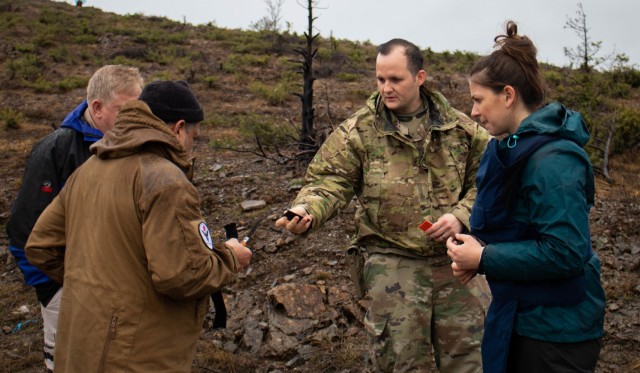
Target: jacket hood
x,y
556,120
137,130
75,120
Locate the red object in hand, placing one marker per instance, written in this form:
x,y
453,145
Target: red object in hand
x,y
425,225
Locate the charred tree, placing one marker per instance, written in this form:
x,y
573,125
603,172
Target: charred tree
x,y
602,147
308,144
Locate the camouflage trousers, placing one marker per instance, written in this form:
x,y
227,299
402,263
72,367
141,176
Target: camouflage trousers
x,y
416,309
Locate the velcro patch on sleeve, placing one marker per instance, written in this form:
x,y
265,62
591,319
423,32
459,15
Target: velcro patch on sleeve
x,y
205,233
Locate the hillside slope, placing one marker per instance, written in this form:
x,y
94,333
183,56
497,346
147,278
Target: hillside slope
x,y
245,80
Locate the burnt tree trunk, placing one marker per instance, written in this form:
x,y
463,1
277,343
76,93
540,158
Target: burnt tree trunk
x,y
605,156
603,146
308,144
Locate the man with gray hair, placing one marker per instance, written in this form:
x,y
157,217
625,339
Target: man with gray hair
x,y
51,162
139,262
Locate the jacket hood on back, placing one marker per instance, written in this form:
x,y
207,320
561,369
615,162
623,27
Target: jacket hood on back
x,y
556,120
136,130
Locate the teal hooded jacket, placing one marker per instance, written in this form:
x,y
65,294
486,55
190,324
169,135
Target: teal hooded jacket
x,y
553,197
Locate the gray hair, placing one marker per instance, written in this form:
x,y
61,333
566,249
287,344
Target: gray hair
x,y
110,80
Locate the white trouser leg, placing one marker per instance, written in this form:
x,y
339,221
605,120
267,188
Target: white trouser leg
x,y
50,320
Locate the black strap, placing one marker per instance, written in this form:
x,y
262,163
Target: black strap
x,y
220,320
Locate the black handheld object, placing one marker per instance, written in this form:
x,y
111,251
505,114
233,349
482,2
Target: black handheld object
x,y
290,215
231,230
220,320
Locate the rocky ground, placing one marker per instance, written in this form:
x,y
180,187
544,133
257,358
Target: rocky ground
x,y
294,308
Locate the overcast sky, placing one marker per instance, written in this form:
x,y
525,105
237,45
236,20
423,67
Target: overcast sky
x,y
466,25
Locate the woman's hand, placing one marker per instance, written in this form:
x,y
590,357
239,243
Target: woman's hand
x,y
465,251
463,275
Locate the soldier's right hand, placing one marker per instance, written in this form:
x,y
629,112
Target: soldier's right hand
x,y
242,253
296,225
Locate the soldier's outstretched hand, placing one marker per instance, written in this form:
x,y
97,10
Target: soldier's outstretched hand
x,y
295,220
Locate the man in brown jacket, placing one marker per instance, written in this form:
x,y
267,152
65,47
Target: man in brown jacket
x,y
126,238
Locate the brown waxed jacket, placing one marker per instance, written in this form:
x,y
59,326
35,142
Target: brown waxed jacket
x,y
127,240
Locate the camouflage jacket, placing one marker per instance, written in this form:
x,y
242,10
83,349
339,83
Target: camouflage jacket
x,y
398,182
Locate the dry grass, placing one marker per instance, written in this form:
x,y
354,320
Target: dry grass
x,y
625,172
212,359
22,348
337,356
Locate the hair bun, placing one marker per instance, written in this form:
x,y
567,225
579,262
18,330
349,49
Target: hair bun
x,y
512,29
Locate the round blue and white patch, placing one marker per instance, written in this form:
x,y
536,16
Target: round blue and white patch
x,y
206,235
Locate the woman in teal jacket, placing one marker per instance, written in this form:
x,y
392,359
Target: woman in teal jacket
x,y
530,221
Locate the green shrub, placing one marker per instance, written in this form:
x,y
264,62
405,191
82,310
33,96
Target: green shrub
x,y
270,132
286,62
629,76
155,36
620,90
274,94
177,38
51,17
160,75
239,63
122,60
216,34
211,81
217,120
72,82
324,54
160,58
11,119
25,48
252,60
553,77
59,54
463,60
165,55
291,77
360,94
627,130
84,39
347,77
8,21
357,56
27,67
255,46
41,85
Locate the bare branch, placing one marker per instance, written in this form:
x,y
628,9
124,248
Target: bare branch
x,y
585,53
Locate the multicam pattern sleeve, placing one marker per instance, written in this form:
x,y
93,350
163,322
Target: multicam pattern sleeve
x,y
398,182
334,175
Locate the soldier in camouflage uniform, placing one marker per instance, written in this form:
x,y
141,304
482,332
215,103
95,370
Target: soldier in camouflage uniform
x,y
408,156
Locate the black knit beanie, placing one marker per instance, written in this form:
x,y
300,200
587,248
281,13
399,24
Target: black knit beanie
x,y
172,101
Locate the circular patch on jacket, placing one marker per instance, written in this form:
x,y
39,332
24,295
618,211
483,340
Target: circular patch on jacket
x,y
206,235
